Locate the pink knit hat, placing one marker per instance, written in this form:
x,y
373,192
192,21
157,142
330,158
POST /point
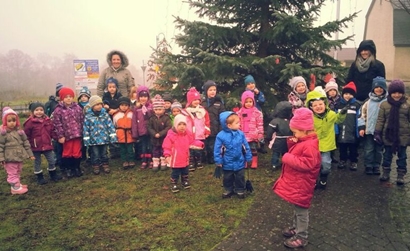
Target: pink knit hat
x,y
158,102
178,119
6,112
192,95
302,119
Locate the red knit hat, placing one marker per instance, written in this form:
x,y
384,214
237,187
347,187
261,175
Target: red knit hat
x,y
192,95
349,88
65,91
302,119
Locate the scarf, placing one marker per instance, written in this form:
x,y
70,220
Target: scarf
x,y
392,130
373,107
364,64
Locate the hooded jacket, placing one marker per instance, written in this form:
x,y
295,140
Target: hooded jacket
x,y
98,128
39,133
301,166
251,119
123,123
363,80
231,147
214,106
325,123
176,145
278,129
161,125
141,115
122,74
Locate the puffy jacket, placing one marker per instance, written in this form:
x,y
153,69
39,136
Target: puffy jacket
x,y
14,146
363,80
39,133
301,166
349,128
122,74
251,120
160,125
197,121
279,127
123,123
141,115
68,121
214,107
98,128
231,147
325,123
176,146
404,122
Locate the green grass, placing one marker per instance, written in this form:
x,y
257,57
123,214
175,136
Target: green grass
x,y
124,210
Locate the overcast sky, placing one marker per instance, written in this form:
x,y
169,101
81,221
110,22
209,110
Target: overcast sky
x,y
91,28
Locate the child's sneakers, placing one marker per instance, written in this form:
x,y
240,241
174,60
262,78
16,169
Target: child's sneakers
x,y
106,168
227,195
353,166
96,170
174,188
241,195
289,232
131,164
342,164
18,190
125,165
295,242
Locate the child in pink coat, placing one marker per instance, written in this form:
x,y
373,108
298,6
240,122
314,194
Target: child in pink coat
x,y
301,166
251,124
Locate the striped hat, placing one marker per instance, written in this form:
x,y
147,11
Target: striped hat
x,y
158,102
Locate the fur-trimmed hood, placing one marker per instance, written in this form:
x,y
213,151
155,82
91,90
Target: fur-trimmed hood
x,y
124,58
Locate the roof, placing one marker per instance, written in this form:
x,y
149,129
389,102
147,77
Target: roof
x,y
401,27
400,4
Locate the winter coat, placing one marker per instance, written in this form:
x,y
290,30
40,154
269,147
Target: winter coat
x,y
50,105
404,122
295,100
159,124
141,115
39,133
214,107
231,148
370,111
123,123
68,121
111,101
325,123
301,166
251,121
333,102
14,146
278,129
122,74
349,128
98,129
198,121
176,146
259,99
364,80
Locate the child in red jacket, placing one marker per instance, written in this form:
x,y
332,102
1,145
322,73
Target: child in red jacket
x,y
301,166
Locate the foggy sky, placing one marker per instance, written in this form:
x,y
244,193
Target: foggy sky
x,y
91,28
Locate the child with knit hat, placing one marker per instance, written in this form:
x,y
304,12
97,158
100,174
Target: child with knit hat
x,y
251,86
123,123
139,128
110,98
176,108
213,104
348,137
297,180
14,149
52,102
324,122
176,148
198,123
99,132
83,99
167,97
393,130
39,129
158,126
370,110
332,93
299,91
251,124
68,119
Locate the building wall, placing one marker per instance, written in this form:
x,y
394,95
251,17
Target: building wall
x,y
380,30
402,64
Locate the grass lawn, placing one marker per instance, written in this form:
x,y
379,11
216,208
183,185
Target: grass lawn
x,y
124,210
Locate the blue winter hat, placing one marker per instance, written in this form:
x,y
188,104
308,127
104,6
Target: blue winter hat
x,y
249,79
379,82
59,86
84,91
112,80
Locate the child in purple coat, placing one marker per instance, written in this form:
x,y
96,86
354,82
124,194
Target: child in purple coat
x,y
38,128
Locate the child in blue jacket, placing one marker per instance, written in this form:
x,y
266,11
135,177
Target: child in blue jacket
x,y
231,152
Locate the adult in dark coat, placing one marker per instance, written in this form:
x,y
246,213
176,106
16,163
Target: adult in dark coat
x,y
364,69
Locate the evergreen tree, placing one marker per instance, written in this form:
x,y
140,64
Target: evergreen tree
x,y
273,40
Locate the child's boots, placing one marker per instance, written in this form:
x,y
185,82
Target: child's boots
x,y
322,182
40,179
155,165
54,176
400,177
163,164
191,166
386,174
18,189
254,164
185,182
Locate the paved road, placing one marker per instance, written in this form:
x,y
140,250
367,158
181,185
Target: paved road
x,y
355,212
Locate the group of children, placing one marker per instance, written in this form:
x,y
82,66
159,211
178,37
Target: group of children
x,y
304,133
